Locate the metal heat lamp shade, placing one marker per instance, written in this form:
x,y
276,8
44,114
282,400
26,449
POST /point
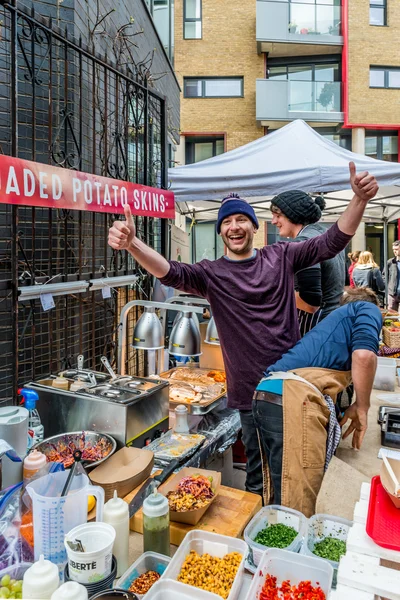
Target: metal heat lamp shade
x,y
148,333
179,316
212,336
185,337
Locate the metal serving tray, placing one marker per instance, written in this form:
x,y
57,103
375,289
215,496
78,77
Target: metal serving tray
x,y
194,408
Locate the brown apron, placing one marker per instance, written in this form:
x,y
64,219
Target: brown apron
x,y
305,428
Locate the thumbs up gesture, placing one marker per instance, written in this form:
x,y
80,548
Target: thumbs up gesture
x,y
122,233
364,185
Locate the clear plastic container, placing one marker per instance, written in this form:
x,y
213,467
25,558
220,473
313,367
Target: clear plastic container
x,y
385,376
286,565
214,544
270,515
149,561
321,526
167,589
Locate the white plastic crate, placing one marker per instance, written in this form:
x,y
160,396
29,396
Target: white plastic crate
x,y
270,515
214,544
149,561
286,565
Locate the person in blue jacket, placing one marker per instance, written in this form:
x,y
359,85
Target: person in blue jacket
x,y
293,405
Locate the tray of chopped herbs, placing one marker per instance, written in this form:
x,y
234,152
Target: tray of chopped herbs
x,y
330,548
276,536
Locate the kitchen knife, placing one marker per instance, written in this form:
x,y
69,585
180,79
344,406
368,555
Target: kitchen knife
x,y
149,486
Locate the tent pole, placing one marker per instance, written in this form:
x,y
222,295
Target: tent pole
x,y
385,256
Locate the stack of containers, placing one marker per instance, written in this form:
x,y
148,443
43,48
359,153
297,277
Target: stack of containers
x,y
271,515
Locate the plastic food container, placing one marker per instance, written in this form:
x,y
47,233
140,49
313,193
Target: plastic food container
x,y
168,589
149,561
286,565
214,544
270,515
321,526
385,376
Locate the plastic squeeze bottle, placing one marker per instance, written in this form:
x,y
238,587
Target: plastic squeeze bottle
x,y
70,591
156,524
40,581
33,463
116,513
35,427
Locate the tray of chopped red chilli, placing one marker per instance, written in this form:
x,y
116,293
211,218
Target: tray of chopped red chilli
x,y
283,575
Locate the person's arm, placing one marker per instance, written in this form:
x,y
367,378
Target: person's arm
x,y
380,284
315,250
308,289
363,373
187,278
365,345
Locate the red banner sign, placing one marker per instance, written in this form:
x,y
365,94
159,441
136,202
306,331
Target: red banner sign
x,y
29,183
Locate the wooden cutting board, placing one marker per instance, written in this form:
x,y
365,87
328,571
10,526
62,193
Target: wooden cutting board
x,y
228,515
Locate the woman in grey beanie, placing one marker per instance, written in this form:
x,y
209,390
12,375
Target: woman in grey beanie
x,y
319,288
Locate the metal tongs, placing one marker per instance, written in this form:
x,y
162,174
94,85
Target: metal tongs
x,y
109,368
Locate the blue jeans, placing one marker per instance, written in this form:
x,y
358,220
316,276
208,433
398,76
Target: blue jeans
x,y
254,473
268,419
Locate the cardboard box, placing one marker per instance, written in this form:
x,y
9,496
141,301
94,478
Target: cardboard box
x,y
387,481
190,517
123,471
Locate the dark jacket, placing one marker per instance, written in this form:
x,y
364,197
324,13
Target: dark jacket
x,y
368,276
332,274
392,276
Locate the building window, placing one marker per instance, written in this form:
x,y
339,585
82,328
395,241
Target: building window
x,y
213,87
199,148
162,12
377,12
314,86
341,137
384,77
311,17
382,145
192,26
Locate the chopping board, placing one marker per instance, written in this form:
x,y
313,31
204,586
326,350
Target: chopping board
x,y
228,515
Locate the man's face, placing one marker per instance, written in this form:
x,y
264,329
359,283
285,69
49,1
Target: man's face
x,y
286,228
396,251
237,232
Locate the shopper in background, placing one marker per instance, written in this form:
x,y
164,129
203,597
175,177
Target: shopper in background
x,y
250,292
318,288
353,256
392,277
367,273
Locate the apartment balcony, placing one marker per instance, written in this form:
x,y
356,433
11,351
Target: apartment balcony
x,y
279,101
286,28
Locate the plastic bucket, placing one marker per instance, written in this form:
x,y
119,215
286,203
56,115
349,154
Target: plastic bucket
x,y
95,563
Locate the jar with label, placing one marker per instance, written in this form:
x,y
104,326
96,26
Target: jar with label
x,y
156,524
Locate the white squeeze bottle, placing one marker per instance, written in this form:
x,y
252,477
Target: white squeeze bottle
x,y
40,581
33,463
116,513
70,591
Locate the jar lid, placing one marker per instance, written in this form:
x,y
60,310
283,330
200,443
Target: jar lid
x,y
155,505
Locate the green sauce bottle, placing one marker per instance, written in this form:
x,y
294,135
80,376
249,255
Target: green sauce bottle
x,y
156,524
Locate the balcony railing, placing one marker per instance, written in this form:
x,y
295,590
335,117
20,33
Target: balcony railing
x,y
314,96
284,100
298,23
314,19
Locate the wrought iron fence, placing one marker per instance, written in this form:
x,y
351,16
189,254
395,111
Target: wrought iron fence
x,y
61,104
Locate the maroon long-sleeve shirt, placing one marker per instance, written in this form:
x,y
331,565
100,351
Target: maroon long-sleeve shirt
x,y
253,304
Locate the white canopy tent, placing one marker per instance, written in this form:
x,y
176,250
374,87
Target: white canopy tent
x,y
293,157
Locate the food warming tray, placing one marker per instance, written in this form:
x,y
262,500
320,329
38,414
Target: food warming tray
x,y
194,408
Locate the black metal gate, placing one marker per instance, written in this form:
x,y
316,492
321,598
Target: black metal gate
x,y
61,105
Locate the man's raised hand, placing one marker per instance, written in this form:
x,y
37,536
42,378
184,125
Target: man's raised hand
x,y
122,233
364,185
